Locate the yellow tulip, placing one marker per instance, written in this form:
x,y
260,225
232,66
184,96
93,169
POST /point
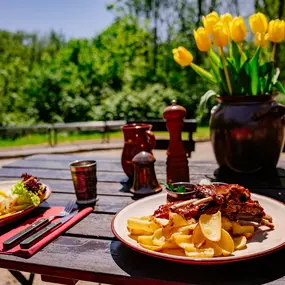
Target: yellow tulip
x,y
276,31
258,23
238,29
226,19
202,39
182,56
210,21
261,39
220,35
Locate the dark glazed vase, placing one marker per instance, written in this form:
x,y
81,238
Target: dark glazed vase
x,y
137,137
247,133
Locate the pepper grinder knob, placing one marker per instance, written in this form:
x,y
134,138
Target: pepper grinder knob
x,y
145,182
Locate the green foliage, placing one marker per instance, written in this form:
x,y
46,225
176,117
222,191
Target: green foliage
x,y
125,72
146,104
248,76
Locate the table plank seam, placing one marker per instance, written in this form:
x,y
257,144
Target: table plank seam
x,y
99,194
89,237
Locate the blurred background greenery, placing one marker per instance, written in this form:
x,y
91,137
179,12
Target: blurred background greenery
x,y
125,72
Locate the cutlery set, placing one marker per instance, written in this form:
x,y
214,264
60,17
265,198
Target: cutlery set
x,y
39,229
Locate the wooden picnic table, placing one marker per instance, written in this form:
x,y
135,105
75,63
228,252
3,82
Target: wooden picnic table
x,y
88,251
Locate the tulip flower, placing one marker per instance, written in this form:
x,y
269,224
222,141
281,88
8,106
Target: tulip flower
x,y
220,35
221,39
276,31
226,19
182,56
258,23
202,39
238,29
210,21
261,39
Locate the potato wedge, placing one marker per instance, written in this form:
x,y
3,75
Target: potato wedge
x,y
176,251
182,240
198,238
226,224
160,222
192,251
189,228
226,242
4,194
240,242
158,238
144,225
226,253
191,221
211,226
170,245
177,220
248,235
138,232
145,240
185,230
151,247
240,230
210,244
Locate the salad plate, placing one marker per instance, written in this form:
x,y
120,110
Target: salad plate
x,y
5,187
262,242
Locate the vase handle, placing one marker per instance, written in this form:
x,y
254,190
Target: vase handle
x,y
277,111
151,139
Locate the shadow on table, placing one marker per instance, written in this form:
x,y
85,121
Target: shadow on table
x,y
268,182
126,185
255,271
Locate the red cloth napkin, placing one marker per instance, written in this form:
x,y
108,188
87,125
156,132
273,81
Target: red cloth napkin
x,y
17,250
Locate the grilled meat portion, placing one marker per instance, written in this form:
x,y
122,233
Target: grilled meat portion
x,y
233,200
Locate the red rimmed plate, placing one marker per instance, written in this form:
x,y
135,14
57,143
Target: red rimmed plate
x,y
262,243
6,186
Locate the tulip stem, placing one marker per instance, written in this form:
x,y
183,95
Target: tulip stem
x,y
273,52
226,71
240,47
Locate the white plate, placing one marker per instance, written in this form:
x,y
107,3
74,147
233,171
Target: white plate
x,y
263,242
6,187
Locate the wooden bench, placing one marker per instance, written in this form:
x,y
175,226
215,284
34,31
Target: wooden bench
x,y
190,126
102,126
15,131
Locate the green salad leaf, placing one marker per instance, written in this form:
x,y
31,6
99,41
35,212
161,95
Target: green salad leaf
x,y
24,195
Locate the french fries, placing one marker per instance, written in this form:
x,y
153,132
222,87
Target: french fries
x,y
210,236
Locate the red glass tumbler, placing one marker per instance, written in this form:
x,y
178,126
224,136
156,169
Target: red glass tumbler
x,y
85,180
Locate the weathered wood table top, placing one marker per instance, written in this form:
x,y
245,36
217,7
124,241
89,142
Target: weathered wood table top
x,y
88,251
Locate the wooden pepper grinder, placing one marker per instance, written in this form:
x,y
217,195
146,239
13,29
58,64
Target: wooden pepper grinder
x,y
177,162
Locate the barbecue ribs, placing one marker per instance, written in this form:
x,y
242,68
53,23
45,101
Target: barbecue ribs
x,y
233,200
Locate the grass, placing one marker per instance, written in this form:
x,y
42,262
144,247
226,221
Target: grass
x,y
38,139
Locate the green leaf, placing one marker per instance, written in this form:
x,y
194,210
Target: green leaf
x,y
169,187
215,58
253,64
280,87
223,82
262,85
265,69
245,78
244,56
180,189
215,71
204,100
235,55
234,78
203,73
